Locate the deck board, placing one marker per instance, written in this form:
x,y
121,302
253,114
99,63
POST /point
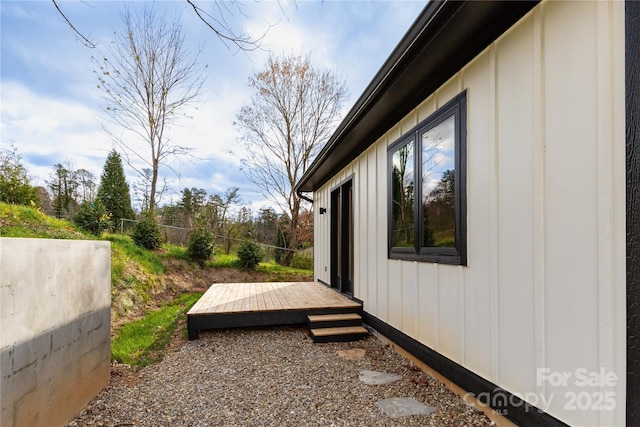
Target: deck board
x,y
246,304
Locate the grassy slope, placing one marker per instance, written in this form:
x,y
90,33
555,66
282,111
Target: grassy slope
x,y
137,343
135,272
24,221
136,277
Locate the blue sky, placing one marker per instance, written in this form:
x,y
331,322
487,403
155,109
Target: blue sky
x,y
51,109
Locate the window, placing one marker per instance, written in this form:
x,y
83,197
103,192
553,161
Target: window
x,y
427,189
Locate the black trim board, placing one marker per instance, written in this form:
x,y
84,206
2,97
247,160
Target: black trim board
x,y
343,182
521,413
632,85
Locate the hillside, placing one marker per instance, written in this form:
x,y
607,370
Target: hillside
x,y
142,280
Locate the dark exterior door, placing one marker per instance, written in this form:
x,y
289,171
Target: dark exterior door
x,y
342,238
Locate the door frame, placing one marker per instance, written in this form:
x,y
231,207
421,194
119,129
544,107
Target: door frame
x,y
342,244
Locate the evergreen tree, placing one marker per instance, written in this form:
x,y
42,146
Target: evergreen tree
x,y
91,217
113,191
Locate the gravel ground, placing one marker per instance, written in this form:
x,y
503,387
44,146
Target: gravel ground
x,y
270,376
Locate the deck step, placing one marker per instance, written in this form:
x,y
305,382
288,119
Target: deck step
x,y
338,334
334,320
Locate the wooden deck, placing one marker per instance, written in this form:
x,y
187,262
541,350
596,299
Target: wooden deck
x,y
227,305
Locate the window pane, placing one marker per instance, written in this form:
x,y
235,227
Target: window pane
x,y
402,193
438,183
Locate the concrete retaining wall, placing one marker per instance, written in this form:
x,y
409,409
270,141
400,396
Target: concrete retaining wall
x,y
55,298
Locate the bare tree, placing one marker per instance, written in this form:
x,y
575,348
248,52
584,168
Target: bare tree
x,y
87,186
147,77
64,187
293,110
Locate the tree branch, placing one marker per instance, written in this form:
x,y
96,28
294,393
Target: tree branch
x,y
242,41
85,40
219,26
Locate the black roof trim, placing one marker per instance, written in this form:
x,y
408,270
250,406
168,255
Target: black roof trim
x,y
443,39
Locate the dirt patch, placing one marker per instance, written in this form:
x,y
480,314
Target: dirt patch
x,y
123,375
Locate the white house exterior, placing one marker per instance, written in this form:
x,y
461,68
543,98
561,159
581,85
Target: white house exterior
x,y
530,302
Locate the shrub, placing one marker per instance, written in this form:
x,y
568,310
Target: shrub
x,y
200,245
249,255
302,261
92,217
15,187
146,234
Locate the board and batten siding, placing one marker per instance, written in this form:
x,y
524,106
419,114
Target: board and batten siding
x,y
545,281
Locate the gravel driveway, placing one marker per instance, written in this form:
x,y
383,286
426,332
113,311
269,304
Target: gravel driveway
x,y
271,377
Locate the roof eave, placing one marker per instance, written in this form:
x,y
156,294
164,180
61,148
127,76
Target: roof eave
x,y
445,37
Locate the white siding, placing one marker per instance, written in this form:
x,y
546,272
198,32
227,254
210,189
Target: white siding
x,y
362,224
369,257
545,282
514,145
379,204
321,232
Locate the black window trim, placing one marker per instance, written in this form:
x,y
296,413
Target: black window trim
x,y
458,254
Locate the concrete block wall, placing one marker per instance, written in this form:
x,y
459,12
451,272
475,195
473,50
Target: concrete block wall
x,y
55,299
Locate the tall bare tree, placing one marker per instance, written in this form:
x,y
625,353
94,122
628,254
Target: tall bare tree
x,y
148,76
293,110
64,187
87,186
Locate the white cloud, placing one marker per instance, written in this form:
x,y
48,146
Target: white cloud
x,y
48,96
44,127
